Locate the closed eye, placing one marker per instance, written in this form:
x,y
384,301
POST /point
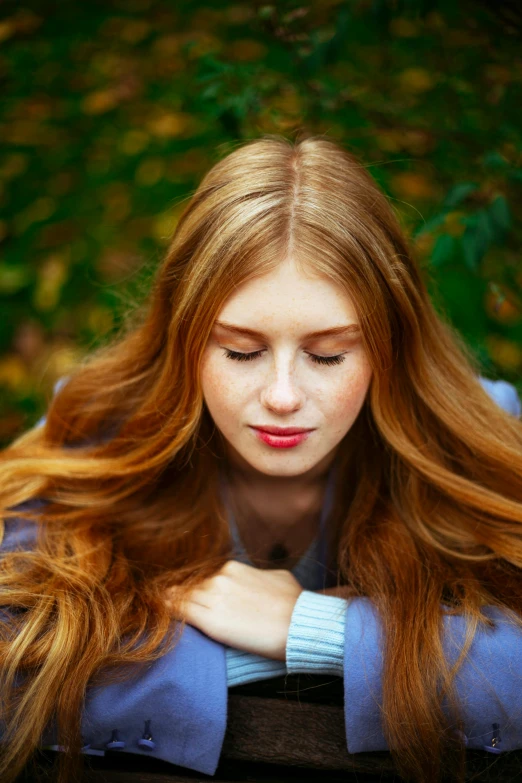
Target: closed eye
x,y
248,357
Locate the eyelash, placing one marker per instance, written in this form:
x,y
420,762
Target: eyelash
x,y
247,357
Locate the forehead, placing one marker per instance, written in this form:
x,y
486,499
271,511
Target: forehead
x,y
289,299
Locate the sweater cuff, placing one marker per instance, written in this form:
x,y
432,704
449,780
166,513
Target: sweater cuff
x,y
315,641
244,667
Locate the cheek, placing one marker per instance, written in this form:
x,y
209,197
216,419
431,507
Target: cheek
x,y
350,394
220,390
213,382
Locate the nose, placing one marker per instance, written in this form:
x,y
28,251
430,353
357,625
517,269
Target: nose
x,y
282,393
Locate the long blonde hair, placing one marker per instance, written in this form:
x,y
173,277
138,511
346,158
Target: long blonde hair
x,y
430,509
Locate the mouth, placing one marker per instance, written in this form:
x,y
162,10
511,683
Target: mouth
x,y
281,431
282,437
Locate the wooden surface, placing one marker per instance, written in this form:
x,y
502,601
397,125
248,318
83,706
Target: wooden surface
x,y
283,729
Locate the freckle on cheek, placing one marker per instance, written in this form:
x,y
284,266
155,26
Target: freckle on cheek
x,y
345,403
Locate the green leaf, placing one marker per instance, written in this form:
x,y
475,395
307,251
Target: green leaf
x,y
462,293
480,233
266,11
473,247
494,160
500,216
443,249
458,193
485,228
13,278
429,225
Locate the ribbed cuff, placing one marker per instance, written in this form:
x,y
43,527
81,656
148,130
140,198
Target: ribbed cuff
x,y
245,667
315,641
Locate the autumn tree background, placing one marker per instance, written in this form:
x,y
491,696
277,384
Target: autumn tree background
x,y
112,111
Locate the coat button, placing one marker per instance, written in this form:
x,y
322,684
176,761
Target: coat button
x,y
143,742
146,740
496,742
114,743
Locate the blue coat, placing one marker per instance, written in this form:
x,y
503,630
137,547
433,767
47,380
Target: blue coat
x,y
176,710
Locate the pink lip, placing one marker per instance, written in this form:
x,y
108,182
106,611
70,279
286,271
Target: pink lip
x,y
283,430
282,441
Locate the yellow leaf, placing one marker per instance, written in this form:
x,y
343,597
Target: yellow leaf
x,y
169,125
245,50
135,30
206,18
453,223
28,132
435,21
410,184
163,227
26,22
63,359
7,29
14,165
497,74
42,208
416,80
424,244
114,195
418,142
461,37
505,353
100,320
203,43
403,28
99,101
389,140
193,161
39,210
107,63
167,45
285,123
149,171
500,306
139,227
134,141
52,275
13,373
115,263
289,102
238,14
510,153
118,209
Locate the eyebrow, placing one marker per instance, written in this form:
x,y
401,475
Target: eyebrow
x,y
334,330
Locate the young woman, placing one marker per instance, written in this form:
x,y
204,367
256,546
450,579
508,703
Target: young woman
x,y
163,541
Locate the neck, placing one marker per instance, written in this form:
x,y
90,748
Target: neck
x,y
281,502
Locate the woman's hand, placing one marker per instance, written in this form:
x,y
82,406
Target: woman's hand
x,y
245,607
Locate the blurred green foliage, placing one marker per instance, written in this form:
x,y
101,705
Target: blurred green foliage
x,y
112,111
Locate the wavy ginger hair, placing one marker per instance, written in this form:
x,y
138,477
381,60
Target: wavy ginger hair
x,y
429,511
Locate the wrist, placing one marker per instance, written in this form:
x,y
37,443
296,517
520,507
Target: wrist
x,y
341,591
288,614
